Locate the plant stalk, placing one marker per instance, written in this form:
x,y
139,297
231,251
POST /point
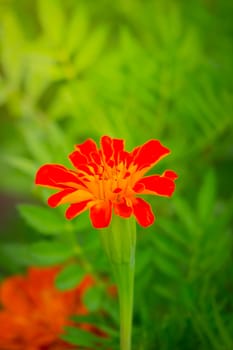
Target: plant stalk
x,y
119,242
124,275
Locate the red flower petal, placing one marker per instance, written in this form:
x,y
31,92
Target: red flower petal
x,y
107,148
87,147
96,157
36,312
118,148
86,168
122,209
101,214
170,174
155,184
77,158
149,154
139,187
128,158
76,209
143,213
56,176
85,154
56,198
95,182
13,296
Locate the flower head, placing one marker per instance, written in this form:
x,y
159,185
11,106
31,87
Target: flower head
x,y
33,312
108,179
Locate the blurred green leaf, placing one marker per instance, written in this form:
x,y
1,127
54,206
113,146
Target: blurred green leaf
x,y
50,253
42,71
52,20
80,337
70,276
35,141
12,48
25,165
42,219
164,292
91,50
206,197
167,247
77,29
166,266
175,232
18,253
93,299
186,215
100,319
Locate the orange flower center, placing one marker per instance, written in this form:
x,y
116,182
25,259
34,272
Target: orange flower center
x,y
111,182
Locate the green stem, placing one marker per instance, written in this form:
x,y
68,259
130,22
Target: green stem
x,y
119,242
124,274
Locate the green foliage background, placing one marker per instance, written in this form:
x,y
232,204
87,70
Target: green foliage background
x,y
136,70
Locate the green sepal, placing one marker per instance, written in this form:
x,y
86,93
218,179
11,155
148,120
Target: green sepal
x,y
119,240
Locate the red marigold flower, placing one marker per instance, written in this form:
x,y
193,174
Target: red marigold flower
x,y
33,312
107,179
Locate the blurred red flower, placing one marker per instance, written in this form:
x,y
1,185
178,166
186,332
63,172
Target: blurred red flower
x,y
108,178
33,312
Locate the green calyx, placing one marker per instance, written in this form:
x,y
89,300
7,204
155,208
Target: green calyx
x,y
119,240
